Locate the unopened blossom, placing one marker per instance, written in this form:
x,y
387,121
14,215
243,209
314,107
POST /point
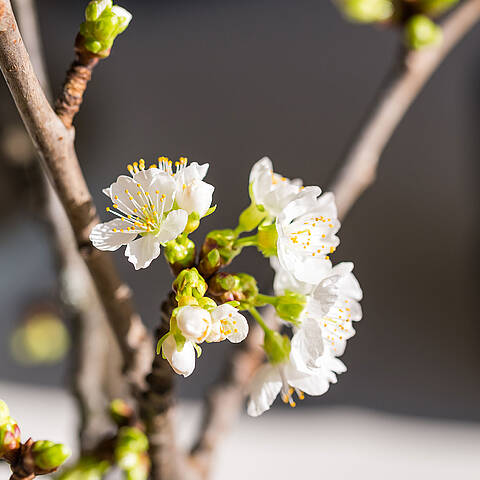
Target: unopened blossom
x,y
288,378
306,230
182,361
144,206
331,307
273,191
198,325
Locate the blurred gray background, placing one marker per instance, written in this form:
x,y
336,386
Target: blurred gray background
x,y
229,81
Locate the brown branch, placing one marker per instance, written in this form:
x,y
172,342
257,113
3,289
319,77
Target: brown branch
x,y
54,143
157,410
79,74
226,397
76,288
416,67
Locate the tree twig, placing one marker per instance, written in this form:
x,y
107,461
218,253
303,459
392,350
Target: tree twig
x,y
76,288
54,143
358,172
359,167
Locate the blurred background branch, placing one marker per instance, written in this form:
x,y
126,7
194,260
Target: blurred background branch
x,y
409,75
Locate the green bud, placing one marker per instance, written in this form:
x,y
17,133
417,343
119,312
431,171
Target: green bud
x,y
250,218
290,305
436,7
422,32
276,346
132,439
4,412
48,455
88,468
224,242
120,411
190,283
248,290
180,253
213,258
141,469
267,237
367,11
9,436
103,22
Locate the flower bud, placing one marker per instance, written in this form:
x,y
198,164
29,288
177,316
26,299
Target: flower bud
x,y
9,436
190,282
180,253
290,305
120,411
436,7
367,11
194,323
421,32
48,455
180,357
88,468
276,346
132,439
103,22
224,242
267,237
140,470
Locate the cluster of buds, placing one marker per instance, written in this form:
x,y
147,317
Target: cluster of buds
x,y
36,458
103,22
415,16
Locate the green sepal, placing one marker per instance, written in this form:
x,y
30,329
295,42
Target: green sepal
x,y
267,237
290,306
198,349
207,303
160,342
210,211
250,218
276,346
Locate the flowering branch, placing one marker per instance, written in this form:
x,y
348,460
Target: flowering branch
x,y
358,170
54,143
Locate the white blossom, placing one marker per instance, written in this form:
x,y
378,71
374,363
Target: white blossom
x,y
331,307
182,361
273,191
198,325
306,230
288,378
143,204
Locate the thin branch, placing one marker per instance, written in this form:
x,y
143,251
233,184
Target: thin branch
x,y
54,143
360,164
76,288
226,397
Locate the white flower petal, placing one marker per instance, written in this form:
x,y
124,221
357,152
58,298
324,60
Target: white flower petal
x,y
195,196
161,184
172,226
194,323
264,388
234,324
143,251
182,362
124,193
104,238
307,345
312,384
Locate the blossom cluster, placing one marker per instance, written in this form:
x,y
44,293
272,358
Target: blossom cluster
x,y
294,226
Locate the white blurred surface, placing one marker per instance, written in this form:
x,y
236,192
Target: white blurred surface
x,y
344,443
